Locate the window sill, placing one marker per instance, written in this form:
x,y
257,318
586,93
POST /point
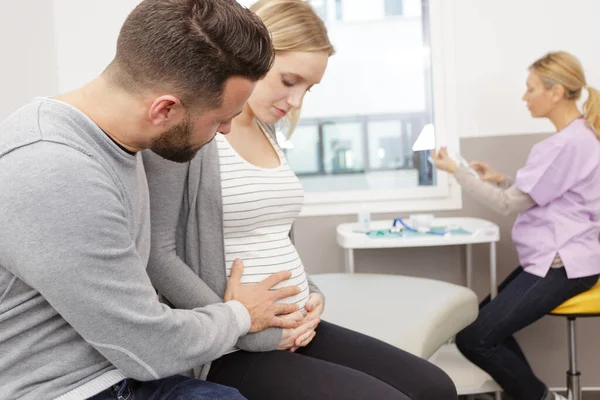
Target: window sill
x,y
415,200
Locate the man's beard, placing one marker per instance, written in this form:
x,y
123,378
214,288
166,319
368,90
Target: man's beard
x,y
174,144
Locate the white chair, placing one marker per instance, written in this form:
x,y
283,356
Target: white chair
x,y
417,315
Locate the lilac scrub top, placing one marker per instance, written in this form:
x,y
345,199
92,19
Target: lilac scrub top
x,y
562,176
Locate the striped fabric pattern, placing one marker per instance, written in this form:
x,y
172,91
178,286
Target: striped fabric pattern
x,y
259,207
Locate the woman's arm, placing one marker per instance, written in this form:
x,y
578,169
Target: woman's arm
x,y
506,182
504,198
499,195
171,277
169,274
313,288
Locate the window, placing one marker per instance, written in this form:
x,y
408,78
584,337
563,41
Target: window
x,y
320,7
364,10
338,10
393,7
387,81
366,152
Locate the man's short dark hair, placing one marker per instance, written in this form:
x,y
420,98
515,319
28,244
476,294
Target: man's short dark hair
x,y
190,47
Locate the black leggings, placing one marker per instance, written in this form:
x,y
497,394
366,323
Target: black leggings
x,y
337,364
523,298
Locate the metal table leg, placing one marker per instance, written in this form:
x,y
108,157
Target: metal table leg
x,y
469,256
494,289
349,253
493,278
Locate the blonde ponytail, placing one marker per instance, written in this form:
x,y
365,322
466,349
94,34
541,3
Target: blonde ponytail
x,y
591,110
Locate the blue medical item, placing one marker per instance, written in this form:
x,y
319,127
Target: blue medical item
x,y
401,229
411,229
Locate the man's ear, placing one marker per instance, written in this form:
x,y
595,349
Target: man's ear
x,y
165,110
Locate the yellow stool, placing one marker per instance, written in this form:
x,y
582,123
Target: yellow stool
x,y
586,304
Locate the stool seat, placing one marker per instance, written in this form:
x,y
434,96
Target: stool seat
x,y
417,315
586,304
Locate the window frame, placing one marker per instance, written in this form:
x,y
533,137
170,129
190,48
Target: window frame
x,y
446,195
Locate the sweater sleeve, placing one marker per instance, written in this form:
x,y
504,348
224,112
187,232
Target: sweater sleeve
x,y
171,276
313,288
504,200
65,231
507,182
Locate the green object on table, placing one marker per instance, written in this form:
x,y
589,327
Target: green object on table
x,y
387,233
456,231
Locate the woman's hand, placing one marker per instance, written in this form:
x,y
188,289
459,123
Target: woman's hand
x,y
486,172
315,307
289,336
442,161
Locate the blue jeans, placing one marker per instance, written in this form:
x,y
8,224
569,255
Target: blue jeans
x,y
176,387
523,299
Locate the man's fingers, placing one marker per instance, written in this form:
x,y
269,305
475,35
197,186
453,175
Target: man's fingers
x,y
283,323
296,316
281,309
237,269
284,292
276,278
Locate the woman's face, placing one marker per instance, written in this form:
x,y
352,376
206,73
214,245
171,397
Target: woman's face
x,y
540,101
283,88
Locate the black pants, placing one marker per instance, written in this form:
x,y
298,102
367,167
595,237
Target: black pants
x,y
523,298
338,364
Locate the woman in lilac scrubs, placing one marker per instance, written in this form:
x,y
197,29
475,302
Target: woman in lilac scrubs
x,y
557,197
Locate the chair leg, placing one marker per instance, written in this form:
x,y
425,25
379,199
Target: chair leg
x,y
573,384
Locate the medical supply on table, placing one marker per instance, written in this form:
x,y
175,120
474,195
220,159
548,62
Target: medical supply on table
x,y
364,220
421,222
413,228
400,228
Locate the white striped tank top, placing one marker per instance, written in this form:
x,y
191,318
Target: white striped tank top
x,y
259,207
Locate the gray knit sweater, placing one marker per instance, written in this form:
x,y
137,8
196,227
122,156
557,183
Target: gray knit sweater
x,y
77,310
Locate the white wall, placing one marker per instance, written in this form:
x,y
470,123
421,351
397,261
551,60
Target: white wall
x,y
495,43
378,69
27,67
86,36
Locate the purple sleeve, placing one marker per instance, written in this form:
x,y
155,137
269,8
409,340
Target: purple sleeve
x,y
553,167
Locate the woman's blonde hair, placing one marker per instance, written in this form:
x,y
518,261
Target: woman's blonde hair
x,y
294,26
562,68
